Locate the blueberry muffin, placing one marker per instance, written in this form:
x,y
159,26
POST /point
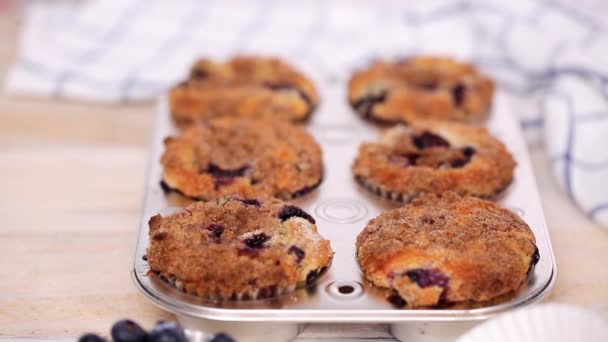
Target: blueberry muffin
x,y
434,157
447,249
244,157
236,248
420,88
244,87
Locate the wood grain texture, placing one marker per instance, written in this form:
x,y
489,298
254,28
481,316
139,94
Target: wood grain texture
x,y
72,177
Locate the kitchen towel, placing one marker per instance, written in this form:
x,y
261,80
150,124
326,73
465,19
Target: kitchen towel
x,y
548,56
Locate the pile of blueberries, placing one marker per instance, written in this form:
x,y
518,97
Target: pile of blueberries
x,y
165,331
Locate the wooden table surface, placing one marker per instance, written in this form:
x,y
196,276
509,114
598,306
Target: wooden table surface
x,y
72,175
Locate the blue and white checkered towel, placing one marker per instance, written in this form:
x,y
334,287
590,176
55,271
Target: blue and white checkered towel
x,y
550,57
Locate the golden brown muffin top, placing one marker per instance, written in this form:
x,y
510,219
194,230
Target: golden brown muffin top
x,y
242,157
233,247
467,248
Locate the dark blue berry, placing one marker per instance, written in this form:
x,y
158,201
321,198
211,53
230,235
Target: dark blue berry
x,y
468,151
215,170
456,163
222,337
299,253
428,277
168,331
128,331
267,292
283,86
458,93
215,231
166,188
365,105
250,201
396,300
222,177
535,256
257,241
314,275
291,211
90,338
428,139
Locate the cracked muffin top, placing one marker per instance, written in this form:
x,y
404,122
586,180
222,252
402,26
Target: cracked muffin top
x,y
236,248
420,88
243,87
244,157
447,249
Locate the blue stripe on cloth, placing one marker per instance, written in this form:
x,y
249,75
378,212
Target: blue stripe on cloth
x,y
568,156
587,165
41,71
532,123
118,30
189,24
597,209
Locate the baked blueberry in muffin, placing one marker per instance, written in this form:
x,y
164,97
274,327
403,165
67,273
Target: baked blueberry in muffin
x,y
443,249
434,157
245,157
235,248
243,87
420,88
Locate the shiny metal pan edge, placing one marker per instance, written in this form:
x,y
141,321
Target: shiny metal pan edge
x,y
342,209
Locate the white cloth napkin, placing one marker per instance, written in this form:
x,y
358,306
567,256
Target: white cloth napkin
x,y
550,57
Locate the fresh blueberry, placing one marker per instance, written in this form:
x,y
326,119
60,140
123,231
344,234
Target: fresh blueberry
x,y
257,241
428,139
128,331
168,331
90,338
222,337
291,211
299,253
458,93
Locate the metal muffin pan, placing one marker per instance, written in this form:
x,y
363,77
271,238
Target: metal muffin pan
x,y
342,209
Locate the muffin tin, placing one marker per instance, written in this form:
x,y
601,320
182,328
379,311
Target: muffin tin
x,y
342,209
